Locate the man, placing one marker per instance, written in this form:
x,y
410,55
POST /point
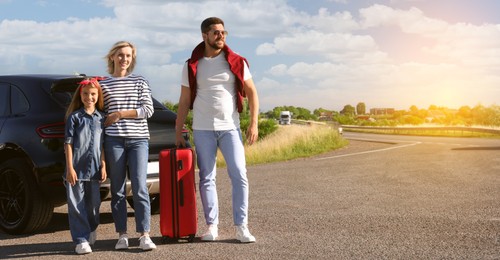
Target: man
x,y
214,82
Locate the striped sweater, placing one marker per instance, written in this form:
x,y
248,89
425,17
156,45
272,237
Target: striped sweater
x,y
127,93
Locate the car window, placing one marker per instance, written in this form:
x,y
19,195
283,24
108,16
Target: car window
x,y
157,105
62,90
63,98
4,99
19,101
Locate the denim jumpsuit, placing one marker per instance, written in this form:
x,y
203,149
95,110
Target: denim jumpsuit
x,y
85,133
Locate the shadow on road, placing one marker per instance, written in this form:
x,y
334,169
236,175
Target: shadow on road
x,y
36,250
59,222
57,249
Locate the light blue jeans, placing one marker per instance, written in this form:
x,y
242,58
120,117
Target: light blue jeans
x,y
84,201
231,146
132,154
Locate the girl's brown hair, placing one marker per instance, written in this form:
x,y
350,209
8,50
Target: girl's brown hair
x,y
76,101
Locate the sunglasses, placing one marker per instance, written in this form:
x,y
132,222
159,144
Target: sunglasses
x,y
219,32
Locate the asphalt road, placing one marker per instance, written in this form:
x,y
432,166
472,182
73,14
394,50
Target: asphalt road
x,y
381,197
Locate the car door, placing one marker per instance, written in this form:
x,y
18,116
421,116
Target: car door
x,y
4,103
161,130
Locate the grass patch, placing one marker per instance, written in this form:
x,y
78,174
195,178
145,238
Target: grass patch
x,y
291,142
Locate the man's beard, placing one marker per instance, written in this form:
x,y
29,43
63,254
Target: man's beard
x,y
215,46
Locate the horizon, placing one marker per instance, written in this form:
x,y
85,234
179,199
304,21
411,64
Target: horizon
x,y
438,107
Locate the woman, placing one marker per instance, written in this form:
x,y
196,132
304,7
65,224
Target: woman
x,y
128,104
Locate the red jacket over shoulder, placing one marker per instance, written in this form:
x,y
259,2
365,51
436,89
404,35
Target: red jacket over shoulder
x,y
236,66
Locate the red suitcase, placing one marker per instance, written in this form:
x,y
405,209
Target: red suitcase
x,y
178,214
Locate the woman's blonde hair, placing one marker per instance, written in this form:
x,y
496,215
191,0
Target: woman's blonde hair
x,y
76,101
112,52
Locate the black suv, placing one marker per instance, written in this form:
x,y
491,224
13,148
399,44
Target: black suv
x,y
32,161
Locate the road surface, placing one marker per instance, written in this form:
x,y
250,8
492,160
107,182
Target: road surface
x,y
381,197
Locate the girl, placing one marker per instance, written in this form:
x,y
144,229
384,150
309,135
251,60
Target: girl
x,y
85,166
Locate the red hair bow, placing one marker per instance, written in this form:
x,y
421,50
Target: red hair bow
x,y
91,80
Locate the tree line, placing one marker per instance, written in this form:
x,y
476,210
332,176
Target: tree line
x,y
359,115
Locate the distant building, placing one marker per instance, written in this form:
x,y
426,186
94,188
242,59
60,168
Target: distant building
x,y
326,116
382,111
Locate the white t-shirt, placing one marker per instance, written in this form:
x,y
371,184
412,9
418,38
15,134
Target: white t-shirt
x,y
214,107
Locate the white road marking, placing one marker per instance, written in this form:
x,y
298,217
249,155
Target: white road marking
x,y
372,151
411,143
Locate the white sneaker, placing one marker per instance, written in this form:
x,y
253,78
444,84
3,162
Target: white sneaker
x,y
92,237
122,242
145,243
243,234
83,248
211,234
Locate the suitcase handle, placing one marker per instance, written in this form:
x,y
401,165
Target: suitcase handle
x,y
181,185
179,163
181,193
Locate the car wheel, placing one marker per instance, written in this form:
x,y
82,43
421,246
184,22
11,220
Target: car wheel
x,y
154,201
22,207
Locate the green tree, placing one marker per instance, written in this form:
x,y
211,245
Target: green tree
x,y
318,111
478,114
171,105
344,119
348,110
414,110
465,112
411,120
361,108
491,116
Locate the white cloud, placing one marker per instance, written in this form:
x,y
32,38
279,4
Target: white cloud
x,y
410,21
166,79
470,45
328,58
278,70
328,22
318,43
266,49
463,43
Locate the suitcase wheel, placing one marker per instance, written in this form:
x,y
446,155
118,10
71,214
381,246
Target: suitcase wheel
x,y
168,240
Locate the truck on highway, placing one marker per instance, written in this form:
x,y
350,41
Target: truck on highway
x,y
285,118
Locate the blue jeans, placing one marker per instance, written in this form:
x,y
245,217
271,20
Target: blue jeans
x,y
84,201
231,146
132,154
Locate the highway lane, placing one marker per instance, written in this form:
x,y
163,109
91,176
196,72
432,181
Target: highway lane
x,y
400,141
381,197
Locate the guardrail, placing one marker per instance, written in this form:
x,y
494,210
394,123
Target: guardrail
x,y
306,122
459,130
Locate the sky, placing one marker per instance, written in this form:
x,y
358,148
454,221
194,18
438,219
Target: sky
x,y
311,54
